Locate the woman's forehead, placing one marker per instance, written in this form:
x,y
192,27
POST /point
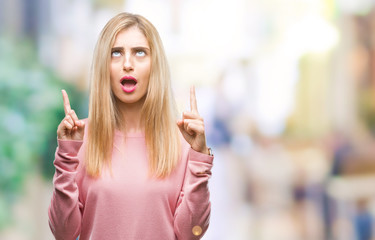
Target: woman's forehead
x,y
131,36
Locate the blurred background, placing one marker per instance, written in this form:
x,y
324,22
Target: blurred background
x,y
286,87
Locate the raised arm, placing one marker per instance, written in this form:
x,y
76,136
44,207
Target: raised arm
x,y
65,209
193,209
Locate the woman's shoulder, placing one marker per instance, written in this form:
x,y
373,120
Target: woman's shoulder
x,y
184,144
86,121
184,147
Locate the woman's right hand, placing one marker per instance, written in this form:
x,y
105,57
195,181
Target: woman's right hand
x,y
70,128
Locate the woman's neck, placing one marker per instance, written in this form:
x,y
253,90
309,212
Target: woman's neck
x,y
132,117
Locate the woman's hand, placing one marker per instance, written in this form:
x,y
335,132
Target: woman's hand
x,y
192,126
70,128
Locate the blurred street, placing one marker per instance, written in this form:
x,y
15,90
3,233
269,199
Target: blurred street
x,y
286,88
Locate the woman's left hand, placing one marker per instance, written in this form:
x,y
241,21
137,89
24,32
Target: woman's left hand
x,y
192,126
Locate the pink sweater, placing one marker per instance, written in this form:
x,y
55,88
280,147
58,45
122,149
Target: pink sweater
x,y
129,204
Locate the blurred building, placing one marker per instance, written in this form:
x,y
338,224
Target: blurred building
x,y
287,89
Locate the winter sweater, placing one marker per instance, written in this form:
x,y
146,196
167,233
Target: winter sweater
x,y
127,203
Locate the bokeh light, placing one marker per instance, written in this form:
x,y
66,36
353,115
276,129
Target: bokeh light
x,y
286,88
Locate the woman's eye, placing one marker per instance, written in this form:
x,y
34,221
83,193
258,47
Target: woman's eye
x,y
116,54
140,53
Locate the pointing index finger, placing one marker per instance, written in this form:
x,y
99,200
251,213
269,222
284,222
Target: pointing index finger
x,y
67,108
193,100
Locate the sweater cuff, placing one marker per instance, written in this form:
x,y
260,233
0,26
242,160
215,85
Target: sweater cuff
x,y
70,147
200,157
67,155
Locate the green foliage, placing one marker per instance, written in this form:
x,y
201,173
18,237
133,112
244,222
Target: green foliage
x,y
31,108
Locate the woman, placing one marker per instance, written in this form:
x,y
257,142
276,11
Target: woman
x,y
129,171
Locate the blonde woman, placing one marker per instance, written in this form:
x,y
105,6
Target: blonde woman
x,y
131,170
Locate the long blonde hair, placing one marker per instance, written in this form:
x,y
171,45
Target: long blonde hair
x,y
158,112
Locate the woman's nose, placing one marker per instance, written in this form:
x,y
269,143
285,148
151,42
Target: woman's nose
x,y
128,63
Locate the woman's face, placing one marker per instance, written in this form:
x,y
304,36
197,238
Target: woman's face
x,y
130,66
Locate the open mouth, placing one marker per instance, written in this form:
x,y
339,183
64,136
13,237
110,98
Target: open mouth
x,y
128,84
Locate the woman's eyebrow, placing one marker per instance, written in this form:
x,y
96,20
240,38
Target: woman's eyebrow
x,y
117,49
121,49
141,48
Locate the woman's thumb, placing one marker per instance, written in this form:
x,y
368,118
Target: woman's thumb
x,y
81,125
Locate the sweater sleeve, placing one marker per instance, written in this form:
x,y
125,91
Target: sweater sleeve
x,y
65,209
192,215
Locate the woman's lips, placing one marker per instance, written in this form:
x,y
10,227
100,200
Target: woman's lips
x,y
129,84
